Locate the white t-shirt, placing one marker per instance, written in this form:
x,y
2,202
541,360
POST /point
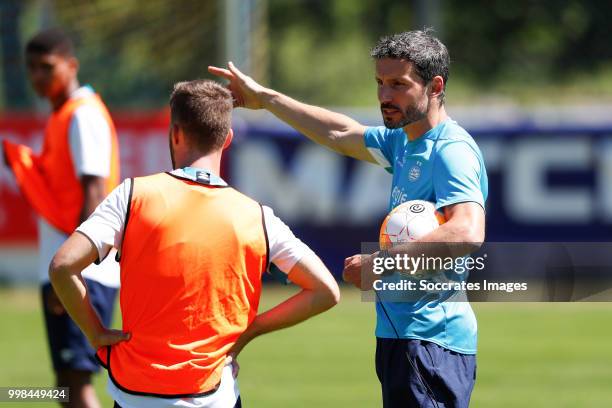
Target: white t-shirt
x,y
224,397
105,230
105,225
90,146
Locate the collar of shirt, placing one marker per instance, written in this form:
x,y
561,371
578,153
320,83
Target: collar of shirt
x,y
198,175
83,91
432,133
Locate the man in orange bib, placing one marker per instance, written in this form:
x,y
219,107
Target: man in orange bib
x,y
77,168
192,252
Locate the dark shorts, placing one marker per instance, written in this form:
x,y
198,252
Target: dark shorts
x,y
434,377
69,347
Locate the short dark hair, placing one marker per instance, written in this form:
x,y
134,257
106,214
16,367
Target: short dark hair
x,y
51,41
203,110
426,53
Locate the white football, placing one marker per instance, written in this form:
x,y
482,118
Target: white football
x,y
409,221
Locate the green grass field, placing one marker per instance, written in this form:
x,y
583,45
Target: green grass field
x,y
530,355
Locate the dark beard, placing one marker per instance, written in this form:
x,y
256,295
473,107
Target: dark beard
x,y
409,116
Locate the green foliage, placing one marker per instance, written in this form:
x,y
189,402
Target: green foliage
x,y
132,51
523,50
320,49
527,40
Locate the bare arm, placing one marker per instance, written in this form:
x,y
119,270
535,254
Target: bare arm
x,y
65,275
461,234
465,228
94,191
333,130
319,293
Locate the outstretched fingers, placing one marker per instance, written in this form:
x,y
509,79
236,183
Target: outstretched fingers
x,y
231,73
222,72
243,88
235,71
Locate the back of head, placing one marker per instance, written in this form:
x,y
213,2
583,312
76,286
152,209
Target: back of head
x,y
428,55
203,110
51,41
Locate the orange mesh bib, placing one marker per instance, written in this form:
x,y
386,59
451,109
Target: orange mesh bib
x,y
191,264
49,181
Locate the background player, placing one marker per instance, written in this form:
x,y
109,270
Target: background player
x,y
431,158
192,253
78,166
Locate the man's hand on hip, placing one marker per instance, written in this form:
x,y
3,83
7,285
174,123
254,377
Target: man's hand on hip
x,y
108,337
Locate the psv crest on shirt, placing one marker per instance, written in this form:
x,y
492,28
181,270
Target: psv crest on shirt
x,y
415,172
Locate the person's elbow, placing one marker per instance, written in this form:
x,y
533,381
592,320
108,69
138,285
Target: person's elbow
x,y
72,257
59,267
333,294
328,293
472,235
313,276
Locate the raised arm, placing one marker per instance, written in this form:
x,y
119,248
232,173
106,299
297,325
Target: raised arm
x,y
333,130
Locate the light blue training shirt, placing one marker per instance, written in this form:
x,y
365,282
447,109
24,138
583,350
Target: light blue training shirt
x,y
443,166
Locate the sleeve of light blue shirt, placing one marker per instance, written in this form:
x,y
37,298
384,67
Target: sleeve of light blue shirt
x,y
457,175
379,143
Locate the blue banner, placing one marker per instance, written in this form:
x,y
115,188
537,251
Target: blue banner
x,y
545,184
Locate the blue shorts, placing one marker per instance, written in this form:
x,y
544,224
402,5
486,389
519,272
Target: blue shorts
x,y
434,377
69,347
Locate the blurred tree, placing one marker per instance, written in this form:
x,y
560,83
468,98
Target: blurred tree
x,y
10,42
532,39
320,49
132,51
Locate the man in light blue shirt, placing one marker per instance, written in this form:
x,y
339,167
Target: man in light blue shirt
x,y
443,166
426,349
